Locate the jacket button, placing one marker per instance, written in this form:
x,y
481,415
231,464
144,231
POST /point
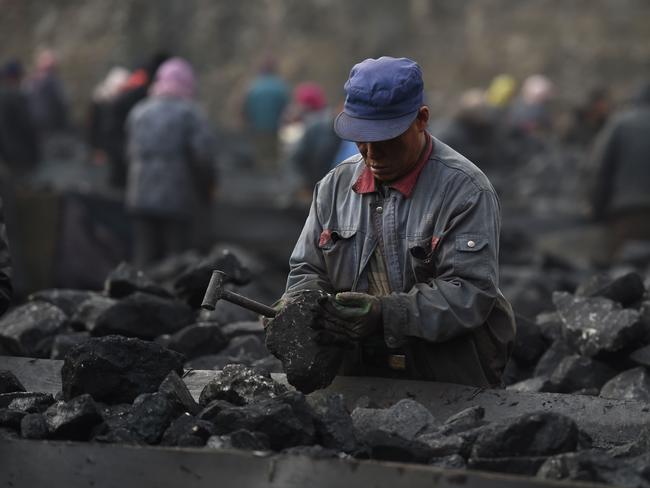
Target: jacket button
x,y
380,210
471,244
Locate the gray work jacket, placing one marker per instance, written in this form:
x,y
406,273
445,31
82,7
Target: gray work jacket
x,y
441,246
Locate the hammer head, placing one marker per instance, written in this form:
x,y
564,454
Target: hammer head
x,y
215,289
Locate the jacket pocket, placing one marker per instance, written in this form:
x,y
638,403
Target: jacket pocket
x,y
340,249
471,257
422,257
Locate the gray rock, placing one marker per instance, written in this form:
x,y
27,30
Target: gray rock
x,y
534,434
334,427
73,420
29,329
287,420
440,446
406,418
626,290
33,426
29,402
466,419
454,461
126,280
579,373
552,357
240,385
597,325
293,337
633,384
187,431
67,300
197,340
532,385
62,343
550,325
116,369
177,392
240,439
11,418
86,314
591,465
9,383
143,316
641,356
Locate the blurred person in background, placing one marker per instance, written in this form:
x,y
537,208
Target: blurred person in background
x,y
171,164
501,91
589,117
134,90
19,143
621,160
99,117
264,103
308,104
530,113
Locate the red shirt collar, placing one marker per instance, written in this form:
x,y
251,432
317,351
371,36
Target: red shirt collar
x,y
405,185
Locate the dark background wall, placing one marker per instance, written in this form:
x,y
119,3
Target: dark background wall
x,y
459,43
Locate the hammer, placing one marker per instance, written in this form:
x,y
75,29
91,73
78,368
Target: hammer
x,y
216,290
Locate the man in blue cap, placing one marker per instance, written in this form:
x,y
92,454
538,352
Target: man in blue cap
x,y
405,237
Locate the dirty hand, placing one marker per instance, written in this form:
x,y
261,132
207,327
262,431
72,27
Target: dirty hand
x,y
356,315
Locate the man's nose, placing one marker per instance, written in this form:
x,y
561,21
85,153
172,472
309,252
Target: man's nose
x,y
373,150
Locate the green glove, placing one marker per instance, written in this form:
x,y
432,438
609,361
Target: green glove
x,y
356,315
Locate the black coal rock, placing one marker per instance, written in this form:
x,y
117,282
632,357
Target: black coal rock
x,y
73,420
469,418
116,369
191,285
534,434
66,300
530,343
552,357
126,280
9,383
641,356
196,340
293,337
62,343
633,384
29,402
177,392
11,418
287,420
240,439
596,325
86,314
33,426
626,290
144,316
579,373
187,431
212,409
28,330
240,385
550,325
334,427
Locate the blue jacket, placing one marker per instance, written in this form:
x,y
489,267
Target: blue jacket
x,y
441,246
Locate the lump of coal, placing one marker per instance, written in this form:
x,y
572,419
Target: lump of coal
x,y
191,285
144,316
85,316
72,420
287,420
240,385
596,325
9,383
125,280
530,343
641,356
212,409
187,431
240,439
590,465
533,434
552,357
550,325
116,369
29,402
62,343
626,290
467,419
455,461
196,340
532,385
29,329
334,427
177,392
293,338
11,418
33,426
579,373
65,299
633,384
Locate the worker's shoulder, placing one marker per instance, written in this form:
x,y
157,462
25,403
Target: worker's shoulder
x,y
451,166
344,172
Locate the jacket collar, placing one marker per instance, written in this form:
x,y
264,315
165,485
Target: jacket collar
x,y
405,185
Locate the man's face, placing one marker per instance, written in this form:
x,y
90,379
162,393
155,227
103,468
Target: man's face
x,y
389,160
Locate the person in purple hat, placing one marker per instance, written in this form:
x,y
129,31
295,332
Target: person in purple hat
x,y
405,239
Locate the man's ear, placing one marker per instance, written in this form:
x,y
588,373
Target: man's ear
x,y
423,117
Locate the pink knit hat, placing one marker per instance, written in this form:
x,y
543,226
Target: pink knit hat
x,y
174,78
310,95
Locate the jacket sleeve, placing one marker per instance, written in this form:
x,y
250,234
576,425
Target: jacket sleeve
x,y
463,288
306,264
6,289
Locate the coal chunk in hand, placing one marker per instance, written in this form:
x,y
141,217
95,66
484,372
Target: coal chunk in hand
x,y
293,336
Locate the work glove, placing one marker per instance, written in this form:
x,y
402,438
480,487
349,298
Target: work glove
x,y
355,315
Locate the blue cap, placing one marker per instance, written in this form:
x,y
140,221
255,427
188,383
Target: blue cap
x,y
383,99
